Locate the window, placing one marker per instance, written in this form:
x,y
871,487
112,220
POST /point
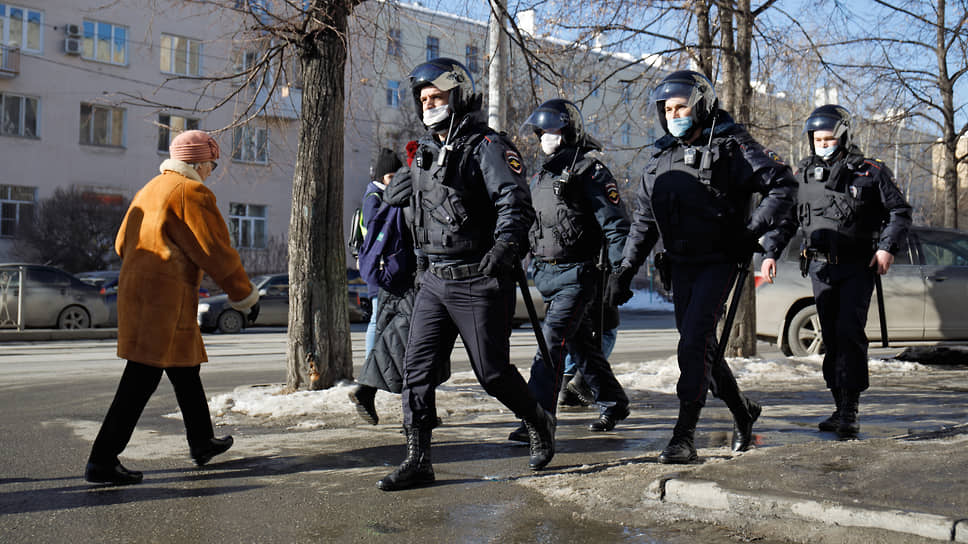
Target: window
x,y
943,248
250,144
105,42
626,91
172,124
593,86
16,204
181,56
102,125
393,94
247,225
473,58
394,43
626,132
18,115
433,48
21,27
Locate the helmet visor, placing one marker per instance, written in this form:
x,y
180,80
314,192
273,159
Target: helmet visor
x,y
545,120
821,121
444,78
676,89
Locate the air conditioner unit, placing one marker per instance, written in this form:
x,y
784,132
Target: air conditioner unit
x,y
72,46
72,30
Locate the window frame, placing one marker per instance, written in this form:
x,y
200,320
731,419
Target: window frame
x,y
433,48
122,138
393,94
241,155
394,42
241,225
7,199
21,122
472,58
95,41
189,123
171,65
5,9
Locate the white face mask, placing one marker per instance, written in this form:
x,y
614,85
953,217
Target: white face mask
x,y
550,143
435,115
826,152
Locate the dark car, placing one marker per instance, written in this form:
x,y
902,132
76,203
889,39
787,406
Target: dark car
x,y
52,298
925,296
215,313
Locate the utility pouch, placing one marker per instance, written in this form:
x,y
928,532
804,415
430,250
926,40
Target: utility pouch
x,y
664,268
804,259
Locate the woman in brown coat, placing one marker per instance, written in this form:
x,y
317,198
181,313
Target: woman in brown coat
x,y
172,232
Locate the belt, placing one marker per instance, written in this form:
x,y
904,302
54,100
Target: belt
x,y
455,271
819,256
562,261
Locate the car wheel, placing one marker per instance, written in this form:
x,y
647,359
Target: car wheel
x,y
803,333
230,322
74,317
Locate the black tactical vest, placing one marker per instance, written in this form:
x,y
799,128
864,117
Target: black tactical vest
x,y
838,207
698,211
564,230
453,215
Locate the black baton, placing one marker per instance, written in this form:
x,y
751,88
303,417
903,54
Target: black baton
x,y
731,312
879,288
533,315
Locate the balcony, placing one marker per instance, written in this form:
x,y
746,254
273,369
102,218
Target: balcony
x,y
9,61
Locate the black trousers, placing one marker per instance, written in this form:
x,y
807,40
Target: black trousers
x,y
138,383
479,309
699,292
843,296
568,328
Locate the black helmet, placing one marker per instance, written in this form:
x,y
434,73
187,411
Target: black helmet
x,y
694,87
447,75
557,114
829,117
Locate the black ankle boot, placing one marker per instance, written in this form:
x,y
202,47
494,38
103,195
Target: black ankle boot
x,y
849,421
213,447
364,397
416,469
541,435
111,474
681,449
609,417
833,422
743,418
520,434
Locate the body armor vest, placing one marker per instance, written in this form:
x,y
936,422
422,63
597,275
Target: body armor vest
x,y
698,212
563,230
452,213
838,206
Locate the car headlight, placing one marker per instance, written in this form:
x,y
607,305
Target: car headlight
x,y
202,308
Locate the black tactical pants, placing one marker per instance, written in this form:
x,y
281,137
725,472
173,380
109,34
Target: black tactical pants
x,y
138,383
568,328
843,296
480,309
699,292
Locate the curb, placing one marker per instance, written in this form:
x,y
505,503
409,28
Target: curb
x,y
709,495
35,335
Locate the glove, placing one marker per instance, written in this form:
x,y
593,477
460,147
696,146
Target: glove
x,y
249,301
500,260
400,189
618,291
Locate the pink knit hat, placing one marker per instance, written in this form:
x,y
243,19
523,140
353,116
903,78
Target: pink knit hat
x,y
193,146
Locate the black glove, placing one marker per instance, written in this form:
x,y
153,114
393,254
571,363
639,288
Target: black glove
x,y
618,291
400,189
500,260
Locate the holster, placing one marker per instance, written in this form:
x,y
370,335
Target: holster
x,y
664,268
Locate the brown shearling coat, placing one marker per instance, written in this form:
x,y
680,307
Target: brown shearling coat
x,y
172,232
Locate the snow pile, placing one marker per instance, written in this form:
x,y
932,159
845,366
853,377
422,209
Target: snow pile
x,y
647,300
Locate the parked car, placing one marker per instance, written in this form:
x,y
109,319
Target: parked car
x,y
925,296
215,313
107,282
360,306
52,298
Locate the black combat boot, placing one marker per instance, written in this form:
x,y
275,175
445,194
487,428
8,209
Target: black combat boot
x,y
833,422
579,389
567,399
364,398
608,418
849,422
744,415
681,449
541,434
416,469
520,434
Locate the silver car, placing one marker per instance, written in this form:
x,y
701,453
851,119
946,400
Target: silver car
x,y
52,298
925,296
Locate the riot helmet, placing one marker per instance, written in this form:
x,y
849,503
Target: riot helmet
x,y
557,114
829,117
694,87
447,75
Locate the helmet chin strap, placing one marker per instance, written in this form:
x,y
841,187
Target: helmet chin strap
x,y
442,158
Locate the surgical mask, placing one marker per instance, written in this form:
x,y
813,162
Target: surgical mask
x,y
550,143
680,126
827,152
435,115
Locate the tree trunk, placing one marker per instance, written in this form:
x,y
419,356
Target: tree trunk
x,y
949,136
319,350
705,55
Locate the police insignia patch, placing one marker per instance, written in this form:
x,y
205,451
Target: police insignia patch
x,y
611,191
514,161
772,155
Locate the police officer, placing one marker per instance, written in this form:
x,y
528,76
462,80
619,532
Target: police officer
x,y
696,193
471,212
577,205
853,219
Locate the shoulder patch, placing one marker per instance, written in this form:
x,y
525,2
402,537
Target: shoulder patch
x,y
774,156
611,192
514,161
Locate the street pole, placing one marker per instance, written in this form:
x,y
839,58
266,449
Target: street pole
x,y
497,50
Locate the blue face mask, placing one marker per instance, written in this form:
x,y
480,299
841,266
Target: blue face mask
x,y
680,126
826,152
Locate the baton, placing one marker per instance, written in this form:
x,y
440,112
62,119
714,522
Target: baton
x,y
879,288
533,315
731,312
